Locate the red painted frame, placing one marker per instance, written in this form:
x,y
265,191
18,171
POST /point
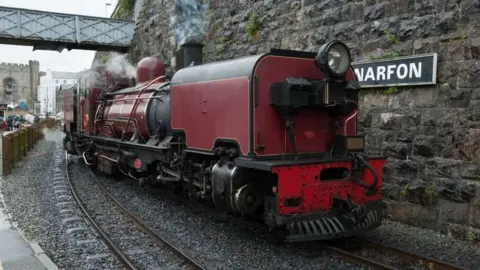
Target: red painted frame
x,y
303,182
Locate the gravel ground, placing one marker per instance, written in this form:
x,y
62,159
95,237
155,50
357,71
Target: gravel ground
x,y
140,248
219,245
157,208
36,198
427,243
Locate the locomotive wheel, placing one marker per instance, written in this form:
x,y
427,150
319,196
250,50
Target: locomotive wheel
x,y
277,236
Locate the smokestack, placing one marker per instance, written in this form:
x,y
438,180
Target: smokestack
x,y
192,54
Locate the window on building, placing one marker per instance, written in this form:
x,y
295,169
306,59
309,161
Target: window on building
x,y
64,81
56,81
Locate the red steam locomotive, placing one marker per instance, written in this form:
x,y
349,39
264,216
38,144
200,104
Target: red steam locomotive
x,y
270,137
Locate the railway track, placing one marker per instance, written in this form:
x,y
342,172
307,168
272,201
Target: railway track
x,y
379,256
128,238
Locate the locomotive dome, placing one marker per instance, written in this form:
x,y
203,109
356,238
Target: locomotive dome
x,y
150,68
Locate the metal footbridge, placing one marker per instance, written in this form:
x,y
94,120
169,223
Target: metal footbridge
x,y
55,31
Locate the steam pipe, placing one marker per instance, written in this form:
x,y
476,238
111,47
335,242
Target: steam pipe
x,y
105,157
134,107
350,117
347,120
85,159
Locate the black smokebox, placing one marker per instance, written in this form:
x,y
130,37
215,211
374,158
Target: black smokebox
x,y
191,54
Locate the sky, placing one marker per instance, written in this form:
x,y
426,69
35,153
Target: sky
x,y
74,60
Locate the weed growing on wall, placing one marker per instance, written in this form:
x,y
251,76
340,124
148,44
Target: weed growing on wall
x,y
253,25
125,7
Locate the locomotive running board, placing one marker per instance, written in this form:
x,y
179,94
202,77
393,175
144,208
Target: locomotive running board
x,y
118,141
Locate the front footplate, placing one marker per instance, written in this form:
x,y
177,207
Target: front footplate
x,y
331,226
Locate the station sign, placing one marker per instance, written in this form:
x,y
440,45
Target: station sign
x,y
3,107
401,71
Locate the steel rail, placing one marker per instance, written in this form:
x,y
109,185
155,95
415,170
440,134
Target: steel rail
x,y
426,261
356,259
155,235
429,263
113,247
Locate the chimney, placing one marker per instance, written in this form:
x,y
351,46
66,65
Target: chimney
x,y
191,52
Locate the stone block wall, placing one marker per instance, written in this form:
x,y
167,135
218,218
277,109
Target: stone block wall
x,y
22,76
430,134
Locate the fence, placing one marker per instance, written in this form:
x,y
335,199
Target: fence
x,y
14,146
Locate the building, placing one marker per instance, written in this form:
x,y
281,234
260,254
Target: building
x,y
59,97
49,86
19,85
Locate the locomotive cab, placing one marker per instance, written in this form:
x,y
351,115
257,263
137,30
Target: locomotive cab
x,y
335,94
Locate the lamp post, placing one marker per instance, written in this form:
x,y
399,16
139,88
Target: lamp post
x,y
107,5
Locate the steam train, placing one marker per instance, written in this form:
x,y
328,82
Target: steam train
x,y
271,138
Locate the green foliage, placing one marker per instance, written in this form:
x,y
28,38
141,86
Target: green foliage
x,y
469,235
404,191
253,24
104,59
392,90
385,55
125,7
391,36
430,195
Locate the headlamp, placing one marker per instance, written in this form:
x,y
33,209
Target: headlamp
x,y
334,59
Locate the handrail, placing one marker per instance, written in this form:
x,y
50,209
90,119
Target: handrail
x,y
134,107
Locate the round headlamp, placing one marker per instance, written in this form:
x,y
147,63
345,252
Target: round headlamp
x,y
334,59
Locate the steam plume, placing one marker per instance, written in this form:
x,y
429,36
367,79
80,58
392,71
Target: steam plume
x,y
119,64
190,21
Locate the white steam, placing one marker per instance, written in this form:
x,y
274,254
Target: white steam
x,y
118,63
190,21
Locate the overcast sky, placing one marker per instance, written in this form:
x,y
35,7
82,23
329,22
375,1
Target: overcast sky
x,y
74,60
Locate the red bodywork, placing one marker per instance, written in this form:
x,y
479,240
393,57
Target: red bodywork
x,y
224,114
131,105
303,182
270,133
68,107
127,104
206,112
116,115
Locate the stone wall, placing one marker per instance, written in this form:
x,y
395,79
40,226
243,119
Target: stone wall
x,y
430,134
25,77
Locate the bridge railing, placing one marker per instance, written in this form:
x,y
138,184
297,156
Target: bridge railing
x,y
15,146
57,31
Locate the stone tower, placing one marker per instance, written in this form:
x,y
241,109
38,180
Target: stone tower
x,y
18,83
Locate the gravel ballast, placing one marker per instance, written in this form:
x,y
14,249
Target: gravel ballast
x,y
427,243
144,252
37,199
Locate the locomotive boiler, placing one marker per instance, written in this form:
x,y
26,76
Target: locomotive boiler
x,y
269,137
